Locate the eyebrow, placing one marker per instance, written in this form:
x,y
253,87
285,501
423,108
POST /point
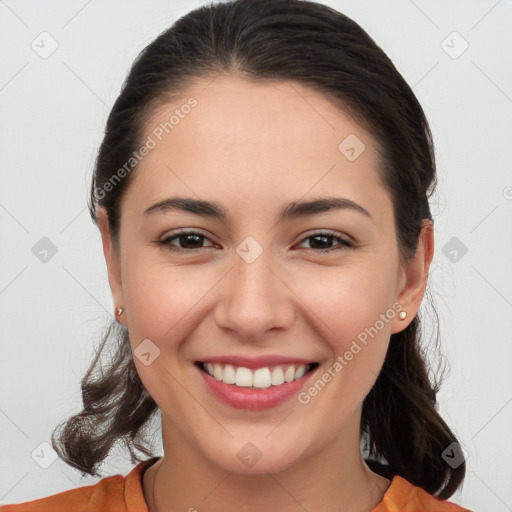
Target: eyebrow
x,y
294,210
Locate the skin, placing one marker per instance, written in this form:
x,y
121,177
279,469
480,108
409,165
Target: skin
x,y
255,148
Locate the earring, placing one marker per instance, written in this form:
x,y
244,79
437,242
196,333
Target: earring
x,y
119,310
402,315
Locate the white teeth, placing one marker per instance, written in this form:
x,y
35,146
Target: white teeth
x,y
261,378
300,371
289,373
243,377
229,376
277,376
217,371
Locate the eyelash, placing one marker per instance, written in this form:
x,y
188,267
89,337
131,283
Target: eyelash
x,y
166,242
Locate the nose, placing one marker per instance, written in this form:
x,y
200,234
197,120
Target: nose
x,y
254,298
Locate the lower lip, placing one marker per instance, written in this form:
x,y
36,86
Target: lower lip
x,y
254,399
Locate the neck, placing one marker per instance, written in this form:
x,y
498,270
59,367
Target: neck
x,y
334,479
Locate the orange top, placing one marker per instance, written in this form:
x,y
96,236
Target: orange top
x,y
124,494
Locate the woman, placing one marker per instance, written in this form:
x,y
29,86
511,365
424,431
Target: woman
x,y
262,196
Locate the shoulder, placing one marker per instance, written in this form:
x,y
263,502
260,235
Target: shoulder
x,y
406,497
113,494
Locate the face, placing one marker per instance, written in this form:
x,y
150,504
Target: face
x,y
257,287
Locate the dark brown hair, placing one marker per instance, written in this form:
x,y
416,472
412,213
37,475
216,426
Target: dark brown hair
x,y
319,47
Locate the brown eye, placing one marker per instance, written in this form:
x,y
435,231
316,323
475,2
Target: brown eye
x,y
323,242
186,241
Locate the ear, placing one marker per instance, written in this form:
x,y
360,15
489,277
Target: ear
x,y
414,277
112,259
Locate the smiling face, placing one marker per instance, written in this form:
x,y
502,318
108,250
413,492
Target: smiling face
x,y
260,276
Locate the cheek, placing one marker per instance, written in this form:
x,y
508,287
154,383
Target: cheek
x,y
342,301
351,311
162,303
358,337
159,297
347,301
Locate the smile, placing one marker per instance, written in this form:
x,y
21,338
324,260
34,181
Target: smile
x,y
260,378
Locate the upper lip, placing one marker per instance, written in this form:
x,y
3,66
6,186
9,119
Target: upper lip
x,y
256,362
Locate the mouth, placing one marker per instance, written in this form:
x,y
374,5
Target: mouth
x,y
261,378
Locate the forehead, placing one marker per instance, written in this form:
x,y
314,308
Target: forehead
x,y
267,137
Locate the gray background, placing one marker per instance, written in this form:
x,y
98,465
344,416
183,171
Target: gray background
x,y
53,112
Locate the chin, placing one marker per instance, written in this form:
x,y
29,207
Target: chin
x,y
252,458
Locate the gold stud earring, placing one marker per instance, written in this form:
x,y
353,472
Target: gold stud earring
x,y
119,310
402,315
